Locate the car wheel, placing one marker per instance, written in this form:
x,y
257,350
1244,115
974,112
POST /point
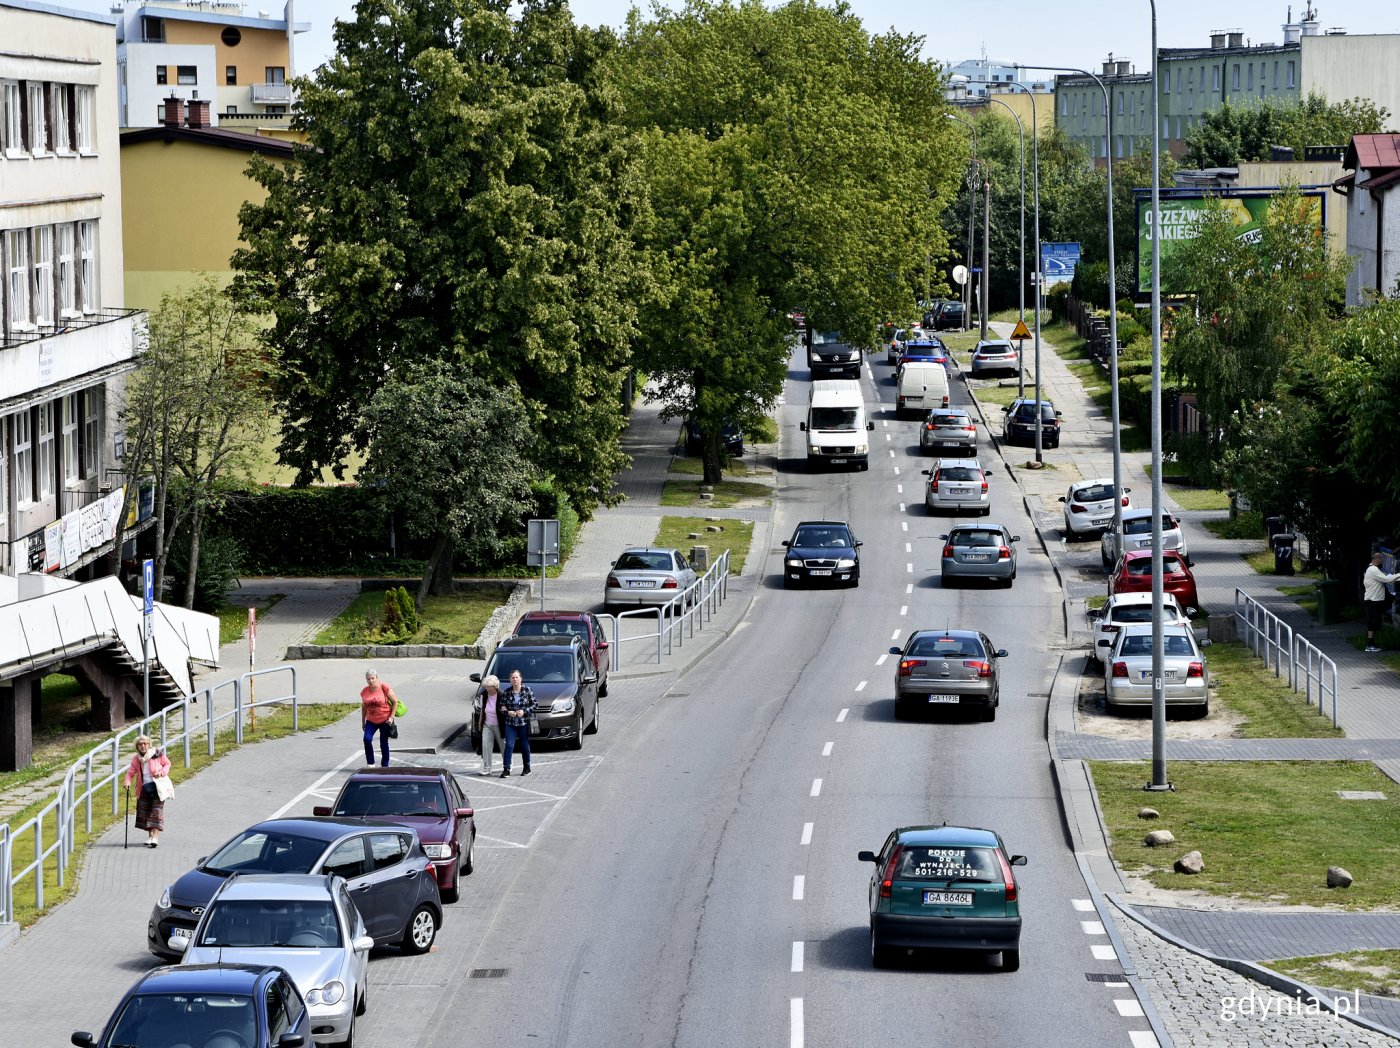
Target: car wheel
x,y
592,728
948,581
879,953
363,1006
1203,710
602,694
468,864
1007,582
864,466
990,713
1010,960
899,710
576,743
451,894
421,931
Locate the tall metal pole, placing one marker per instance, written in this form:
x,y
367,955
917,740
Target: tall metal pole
x,y
972,185
986,245
1159,696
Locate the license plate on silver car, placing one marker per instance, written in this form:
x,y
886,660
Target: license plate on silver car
x,y
947,898
640,584
977,556
942,698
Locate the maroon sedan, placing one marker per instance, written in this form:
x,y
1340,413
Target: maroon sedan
x,y
426,799
582,624
1134,575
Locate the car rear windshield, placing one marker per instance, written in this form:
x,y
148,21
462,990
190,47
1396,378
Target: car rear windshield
x,y
644,562
944,863
947,647
1095,493
998,348
1138,613
368,797
1026,413
975,537
551,628
1143,566
262,922
948,420
536,667
1171,645
838,419
959,473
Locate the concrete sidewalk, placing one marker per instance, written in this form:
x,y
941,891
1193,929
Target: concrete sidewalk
x,y
1368,693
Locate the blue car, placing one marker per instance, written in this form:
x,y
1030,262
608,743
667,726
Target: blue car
x,y
208,1006
822,551
927,349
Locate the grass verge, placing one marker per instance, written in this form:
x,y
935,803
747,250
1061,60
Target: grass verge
x,y
695,467
273,723
1246,525
737,534
993,394
727,493
1199,498
1376,972
1269,706
453,619
1267,830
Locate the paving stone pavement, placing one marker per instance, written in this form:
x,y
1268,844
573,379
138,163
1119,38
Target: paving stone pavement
x,y
1100,748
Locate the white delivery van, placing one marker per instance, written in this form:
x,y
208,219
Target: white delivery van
x,y
836,425
923,386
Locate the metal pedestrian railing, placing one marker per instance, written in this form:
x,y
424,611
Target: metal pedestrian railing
x,y
51,835
677,619
1289,654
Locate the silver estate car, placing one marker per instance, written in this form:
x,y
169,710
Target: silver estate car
x,y
1137,534
979,551
994,355
1127,671
948,668
948,429
957,484
645,575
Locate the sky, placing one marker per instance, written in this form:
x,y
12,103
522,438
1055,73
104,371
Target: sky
x,y
1068,32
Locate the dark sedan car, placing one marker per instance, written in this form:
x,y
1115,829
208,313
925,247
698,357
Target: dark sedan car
x,y
948,667
390,877
950,317
822,551
1019,426
560,672
730,437
207,1006
582,624
429,800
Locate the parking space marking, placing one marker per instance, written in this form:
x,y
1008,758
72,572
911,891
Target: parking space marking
x,y
1092,928
1103,953
1128,1007
881,660
1086,905
295,801
842,715
795,1012
797,956
799,885
816,788
826,750
807,833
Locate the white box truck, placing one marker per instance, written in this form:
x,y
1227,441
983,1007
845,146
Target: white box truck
x,y
836,425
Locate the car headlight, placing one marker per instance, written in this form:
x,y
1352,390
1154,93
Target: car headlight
x,y
437,851
164,901
862,449
846,562
332,993
813,449
794,562
562,706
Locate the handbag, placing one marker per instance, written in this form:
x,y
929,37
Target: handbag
x,y
534,723
400,708
165,789
393,731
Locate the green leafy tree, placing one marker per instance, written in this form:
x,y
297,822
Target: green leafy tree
x,y
1231,134
793,162
450,449
466,195
1261,301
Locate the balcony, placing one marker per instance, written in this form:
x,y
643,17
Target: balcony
x,y
32,360
270,94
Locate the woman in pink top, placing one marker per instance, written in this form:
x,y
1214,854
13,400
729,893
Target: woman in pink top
x,y
377,704
491,734
148,765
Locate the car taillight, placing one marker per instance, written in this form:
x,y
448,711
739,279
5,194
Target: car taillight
x,y
1008,876
945,400
1125,500
887,875
1004,552
948,550
613,583
1196,669
1120,669
906,666
929,426
1075,507
970,429
984,485
984,669
670,583
933,485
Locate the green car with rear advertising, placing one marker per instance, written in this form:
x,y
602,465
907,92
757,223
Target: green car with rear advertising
x,y
944,888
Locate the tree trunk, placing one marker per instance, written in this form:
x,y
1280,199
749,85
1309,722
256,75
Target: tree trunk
x,y
196,530
712,454
442,547
442,578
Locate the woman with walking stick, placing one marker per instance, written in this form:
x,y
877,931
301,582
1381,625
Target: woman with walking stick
x,y
147,766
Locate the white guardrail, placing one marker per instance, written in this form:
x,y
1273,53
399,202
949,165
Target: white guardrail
x,y
51,835
687,612
1290,655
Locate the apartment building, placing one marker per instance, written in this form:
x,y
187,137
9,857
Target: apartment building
x,y
206,51
1080,113
66,342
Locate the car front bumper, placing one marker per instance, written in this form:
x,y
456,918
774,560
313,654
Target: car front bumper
x,y
159,928
821,574
330,1023
947,933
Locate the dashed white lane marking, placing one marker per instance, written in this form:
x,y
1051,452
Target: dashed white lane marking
x,y
901,491
881,660
885,423
1086,905
908,547
797,956
904,609
826,750
895,634
1128,1007
807,833
909,588
795,1008
816,788
888,437
1103,953
903,525
861,685
896,469
892,455
899,488
1092,928
909,567
1143,1039
799,884
842,715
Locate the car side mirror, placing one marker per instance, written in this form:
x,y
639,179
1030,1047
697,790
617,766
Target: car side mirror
x,y
1018,860
895,651
1062,498
84,1039
943,537
1006,409
363,944
1015,538
1127,491
870,425
802,426
465,813
602,645
1095,613
475,678
787,542
590,678
924,472
865,856
859,543
321,810
291,1040
1001,653
1058,414
1206,643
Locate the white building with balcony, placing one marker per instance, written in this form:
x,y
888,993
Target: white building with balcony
x,y
206,50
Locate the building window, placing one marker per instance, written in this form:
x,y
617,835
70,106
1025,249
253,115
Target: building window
x,y
1250,68
1178,80
4,472
12,112
45,459
162,75
70,439
1215,78
152,30
85,118
187,74
231,76
87,266
24,458
37,129
43,276
1120,105
61,122
17,273
275,75
1235,77
1275,74
1292,83
1064,105
92,430
67,272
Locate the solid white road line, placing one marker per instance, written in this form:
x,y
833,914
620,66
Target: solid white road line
x,y
1092,928
1128,1007
807,833
797,956
795,1008
799,884
1086,905
816,788
881,660
861,686
826,750
1103,953
842,715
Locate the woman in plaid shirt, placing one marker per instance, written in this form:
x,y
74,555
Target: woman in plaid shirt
x,y
516,703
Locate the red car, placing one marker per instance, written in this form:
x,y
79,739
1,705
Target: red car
x,y
427,800
1134,575
583,624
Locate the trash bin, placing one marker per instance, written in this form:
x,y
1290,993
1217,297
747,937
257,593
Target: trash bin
x,y
700,558
1283,552
1329,601
1272,526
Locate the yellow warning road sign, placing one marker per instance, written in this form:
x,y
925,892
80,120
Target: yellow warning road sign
x,y
1021,330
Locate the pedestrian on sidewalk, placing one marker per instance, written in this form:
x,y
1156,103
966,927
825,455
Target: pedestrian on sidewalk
x,y
148,765
1375,598
377,703
518,704
491,733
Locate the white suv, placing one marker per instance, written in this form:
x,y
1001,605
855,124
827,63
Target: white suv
x,y
1137,534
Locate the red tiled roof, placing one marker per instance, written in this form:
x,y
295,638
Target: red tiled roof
x,y
1373,152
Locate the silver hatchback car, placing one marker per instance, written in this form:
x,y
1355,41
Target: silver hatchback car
x,y
994,355
958,484
646,575
979,551
948,429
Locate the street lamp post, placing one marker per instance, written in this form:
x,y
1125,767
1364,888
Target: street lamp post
x,y
973,184
1159,696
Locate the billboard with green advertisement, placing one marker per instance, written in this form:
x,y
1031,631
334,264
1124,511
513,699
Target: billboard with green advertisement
x,y
1182,212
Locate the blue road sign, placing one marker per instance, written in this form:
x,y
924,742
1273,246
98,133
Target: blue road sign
x,y
148,586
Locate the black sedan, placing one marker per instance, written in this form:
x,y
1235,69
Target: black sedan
x,y
213,1005
390,877
822,551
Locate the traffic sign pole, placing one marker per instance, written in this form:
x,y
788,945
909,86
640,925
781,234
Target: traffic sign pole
x,y
148,588
252,662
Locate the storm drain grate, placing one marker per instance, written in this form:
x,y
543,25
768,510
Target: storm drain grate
x,y
488,973
1105,977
